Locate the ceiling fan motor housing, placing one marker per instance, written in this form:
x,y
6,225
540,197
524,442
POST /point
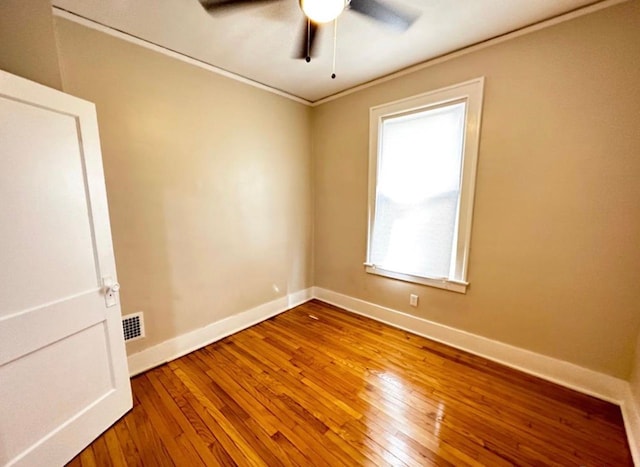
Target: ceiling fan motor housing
x,y
323,11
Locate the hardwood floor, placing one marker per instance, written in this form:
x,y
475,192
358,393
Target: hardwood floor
x,y
338,389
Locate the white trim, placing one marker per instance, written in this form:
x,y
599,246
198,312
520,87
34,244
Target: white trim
x,y
471,94
57,11
551,369
474,48
186,343
631,416
295,299
443,283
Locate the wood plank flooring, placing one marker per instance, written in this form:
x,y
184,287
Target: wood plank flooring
x,y
344,390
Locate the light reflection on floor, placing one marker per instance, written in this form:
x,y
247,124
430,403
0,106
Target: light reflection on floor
x,y
392,392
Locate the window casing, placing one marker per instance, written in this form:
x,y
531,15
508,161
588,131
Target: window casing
x,y
423,155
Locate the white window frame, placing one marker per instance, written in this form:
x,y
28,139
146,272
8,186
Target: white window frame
x,y
470,92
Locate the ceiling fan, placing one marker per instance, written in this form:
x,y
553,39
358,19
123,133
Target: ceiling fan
x,y
319,12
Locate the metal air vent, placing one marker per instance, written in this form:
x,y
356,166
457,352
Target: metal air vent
x,y
133,326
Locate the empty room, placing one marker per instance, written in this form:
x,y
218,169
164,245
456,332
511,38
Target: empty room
x,y
226,236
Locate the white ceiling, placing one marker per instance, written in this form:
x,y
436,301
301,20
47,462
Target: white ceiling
x,y
258,41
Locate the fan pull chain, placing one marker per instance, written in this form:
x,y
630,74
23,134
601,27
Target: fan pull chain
x,y
335,42
308,57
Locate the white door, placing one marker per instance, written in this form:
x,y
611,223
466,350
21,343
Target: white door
x,y
63,370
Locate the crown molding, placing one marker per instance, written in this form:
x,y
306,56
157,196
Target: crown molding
x,y
65,14
592,8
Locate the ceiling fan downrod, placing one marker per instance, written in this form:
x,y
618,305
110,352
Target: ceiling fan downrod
x,y
335,43
308,57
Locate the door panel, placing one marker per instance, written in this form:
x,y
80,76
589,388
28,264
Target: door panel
x,y
42,186
31,330
36,416
63,370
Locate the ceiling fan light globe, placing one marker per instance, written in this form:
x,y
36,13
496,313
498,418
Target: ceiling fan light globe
x,y
322,11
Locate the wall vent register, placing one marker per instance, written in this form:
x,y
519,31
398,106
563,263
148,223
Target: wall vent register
x,y
133,326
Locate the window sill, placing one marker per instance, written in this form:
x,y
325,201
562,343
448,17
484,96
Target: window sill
x,y
447,284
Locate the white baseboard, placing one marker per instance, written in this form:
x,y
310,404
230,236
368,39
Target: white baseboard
x,y
186,343
631,415
566,374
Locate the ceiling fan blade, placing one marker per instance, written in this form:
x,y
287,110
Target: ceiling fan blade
x,y
213,5
309,32
389,16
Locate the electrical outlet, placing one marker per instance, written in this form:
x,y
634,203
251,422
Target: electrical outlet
x,y
413,300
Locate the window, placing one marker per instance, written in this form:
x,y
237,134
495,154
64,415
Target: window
x,y
422,169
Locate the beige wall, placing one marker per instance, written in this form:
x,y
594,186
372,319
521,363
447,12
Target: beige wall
x,y
555,263
27,41
210,197
208,181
